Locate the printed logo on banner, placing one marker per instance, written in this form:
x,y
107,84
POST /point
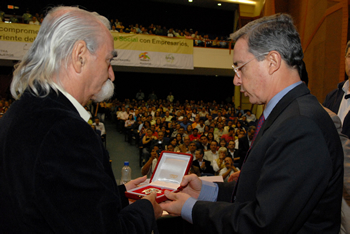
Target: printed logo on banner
x,y
169,58
144,57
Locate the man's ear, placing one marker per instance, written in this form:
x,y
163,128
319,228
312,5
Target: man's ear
x,y
274,60
79,55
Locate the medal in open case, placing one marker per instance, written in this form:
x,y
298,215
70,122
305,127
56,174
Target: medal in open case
x,y
167,176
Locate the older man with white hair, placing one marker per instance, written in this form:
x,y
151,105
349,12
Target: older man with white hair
x,y
55,173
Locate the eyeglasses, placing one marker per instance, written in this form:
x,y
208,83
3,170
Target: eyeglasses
x,y
238,71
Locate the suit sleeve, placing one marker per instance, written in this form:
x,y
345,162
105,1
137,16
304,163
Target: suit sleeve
x,y
287,190
75,188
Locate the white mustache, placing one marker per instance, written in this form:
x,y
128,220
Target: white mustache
x,y
106,92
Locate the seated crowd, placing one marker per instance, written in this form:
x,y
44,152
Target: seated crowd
x,y
117,26
217,135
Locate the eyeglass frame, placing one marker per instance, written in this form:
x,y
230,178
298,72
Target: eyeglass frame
x,y
238,69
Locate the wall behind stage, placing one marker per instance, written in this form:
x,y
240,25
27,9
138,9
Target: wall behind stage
x,y
323,29
183,87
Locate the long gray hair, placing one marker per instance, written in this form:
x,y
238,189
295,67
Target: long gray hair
x,y
52,48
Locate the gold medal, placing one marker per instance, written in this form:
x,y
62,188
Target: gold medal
x,y
151,190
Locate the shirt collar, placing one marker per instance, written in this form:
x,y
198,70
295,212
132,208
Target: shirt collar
x,y
273,102
346,87
81,110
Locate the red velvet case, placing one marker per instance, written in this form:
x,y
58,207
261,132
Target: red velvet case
x,y
171,168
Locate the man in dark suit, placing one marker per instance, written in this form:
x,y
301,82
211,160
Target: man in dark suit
x,y
338,100
55,174
291,181
203,165
233,152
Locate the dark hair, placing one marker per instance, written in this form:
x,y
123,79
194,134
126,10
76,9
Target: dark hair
x,y
201,151
154,146
221,140
149,124
229,157
180,139
171,139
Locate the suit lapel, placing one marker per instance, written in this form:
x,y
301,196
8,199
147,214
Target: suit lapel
x,y
338,98
298,91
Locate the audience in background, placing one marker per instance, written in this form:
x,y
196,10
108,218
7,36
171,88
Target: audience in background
x,y
201,40
152,125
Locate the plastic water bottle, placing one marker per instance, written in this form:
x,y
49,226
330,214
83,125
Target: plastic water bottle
x,y
126,173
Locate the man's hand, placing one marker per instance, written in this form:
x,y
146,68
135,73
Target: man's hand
x,y
174,207
203,166
158,211
133,183
234,176
192,185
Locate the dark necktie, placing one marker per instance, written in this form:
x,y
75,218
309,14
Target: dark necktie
x,y
258,127
347,96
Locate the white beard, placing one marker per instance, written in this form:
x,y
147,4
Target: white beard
x,y
105,93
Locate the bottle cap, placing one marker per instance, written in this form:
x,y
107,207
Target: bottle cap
x,y
126,163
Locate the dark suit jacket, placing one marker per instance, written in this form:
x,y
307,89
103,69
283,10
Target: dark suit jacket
x,y
234,155
243,147
208,168
55,176
292,179
333,101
